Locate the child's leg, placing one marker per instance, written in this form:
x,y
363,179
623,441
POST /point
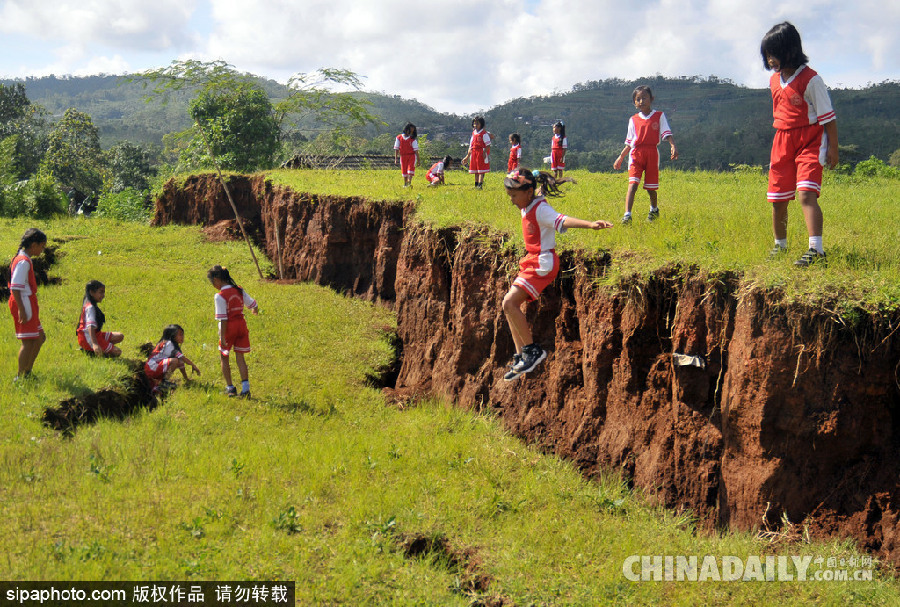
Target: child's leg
x,y
28,353
242,366
812,212
779,219
226,370
652,194
518,323
629,195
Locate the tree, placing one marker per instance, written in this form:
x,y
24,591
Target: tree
x,y
130,166
73,155
19,117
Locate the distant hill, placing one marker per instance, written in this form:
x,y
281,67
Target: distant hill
x,y
716,123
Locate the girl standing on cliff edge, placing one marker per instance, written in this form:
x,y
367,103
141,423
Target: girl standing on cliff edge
x,y
541,264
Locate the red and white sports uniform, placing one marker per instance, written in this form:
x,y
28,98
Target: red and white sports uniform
x,y
88,319
479,154
541,265
558,147
800,108
230,304
435,172
515,156
644,134
408,149
161,360
22,280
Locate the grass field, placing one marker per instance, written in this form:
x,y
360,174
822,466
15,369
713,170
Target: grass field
x,y
716,221
316,479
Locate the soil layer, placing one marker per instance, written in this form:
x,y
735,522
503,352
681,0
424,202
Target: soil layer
x,y
707,393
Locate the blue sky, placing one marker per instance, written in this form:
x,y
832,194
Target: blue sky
x,y
459,56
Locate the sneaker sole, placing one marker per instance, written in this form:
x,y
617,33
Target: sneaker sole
x,y
512,376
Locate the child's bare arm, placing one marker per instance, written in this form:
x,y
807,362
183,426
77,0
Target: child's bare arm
x,y
674,154
574,222
618,163
831,153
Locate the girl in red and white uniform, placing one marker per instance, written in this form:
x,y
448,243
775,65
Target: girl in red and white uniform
x,y
540,265
91,336
805,140
166,357
646,130
406,150
479,154
23,303
558,146
435,174
230,302
515,152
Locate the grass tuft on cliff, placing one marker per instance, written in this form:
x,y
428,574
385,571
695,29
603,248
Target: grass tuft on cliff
x,y
715,221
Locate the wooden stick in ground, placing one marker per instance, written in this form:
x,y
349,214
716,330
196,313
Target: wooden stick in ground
x,y
230,199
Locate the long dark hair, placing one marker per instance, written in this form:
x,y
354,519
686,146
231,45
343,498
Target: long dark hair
x,y
30,237
562,128
783,43
223,275
93,285
169,334
522,179
410,131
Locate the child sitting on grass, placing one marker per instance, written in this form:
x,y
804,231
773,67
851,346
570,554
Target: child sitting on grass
x,y
541,265
91,336
165,358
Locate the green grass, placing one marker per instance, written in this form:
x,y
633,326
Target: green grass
x,y
315,480
715,221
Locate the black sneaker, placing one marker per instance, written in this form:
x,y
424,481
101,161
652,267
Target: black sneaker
x,y
777,252
230,391
811,257
653,215
532,355
512,375
626,220
244,394
514,360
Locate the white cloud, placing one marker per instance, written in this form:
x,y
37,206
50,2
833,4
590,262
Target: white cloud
x,y
457,56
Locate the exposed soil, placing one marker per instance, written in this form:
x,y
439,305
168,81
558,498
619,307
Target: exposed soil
x,y
791,410
41,266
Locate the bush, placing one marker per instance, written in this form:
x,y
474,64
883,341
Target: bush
x,y
874,167
127,205
38,197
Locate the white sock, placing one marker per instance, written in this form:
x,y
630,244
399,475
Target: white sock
x,y
654,208
627,214
815,242
781,242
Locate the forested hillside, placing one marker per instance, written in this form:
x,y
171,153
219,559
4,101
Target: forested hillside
x,y
716,123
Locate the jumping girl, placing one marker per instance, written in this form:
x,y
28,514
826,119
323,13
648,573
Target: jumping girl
x,y
515,152
805,138
541,264
89,331
479,154
558,146
646,130
230,302
406,149
23,303
166,357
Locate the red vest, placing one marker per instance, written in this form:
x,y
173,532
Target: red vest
x,y
405,145
789,108
234,300
32,282
646,130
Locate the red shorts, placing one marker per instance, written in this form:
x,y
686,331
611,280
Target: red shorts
x,y
102,340
479,161
238,337
161,370
433,177
408,164
796,162
534,278
644,159
557,160
31,328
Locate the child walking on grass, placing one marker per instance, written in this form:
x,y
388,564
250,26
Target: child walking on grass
x,y
166,357
805,138
559,144
479,154
230,302
646,130
23,303
91,336
541,264
406,149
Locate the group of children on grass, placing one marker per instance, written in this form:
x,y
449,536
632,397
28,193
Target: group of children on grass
x,y
164,359
805,141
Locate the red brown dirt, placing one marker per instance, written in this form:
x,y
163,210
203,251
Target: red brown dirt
x,y
793,413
